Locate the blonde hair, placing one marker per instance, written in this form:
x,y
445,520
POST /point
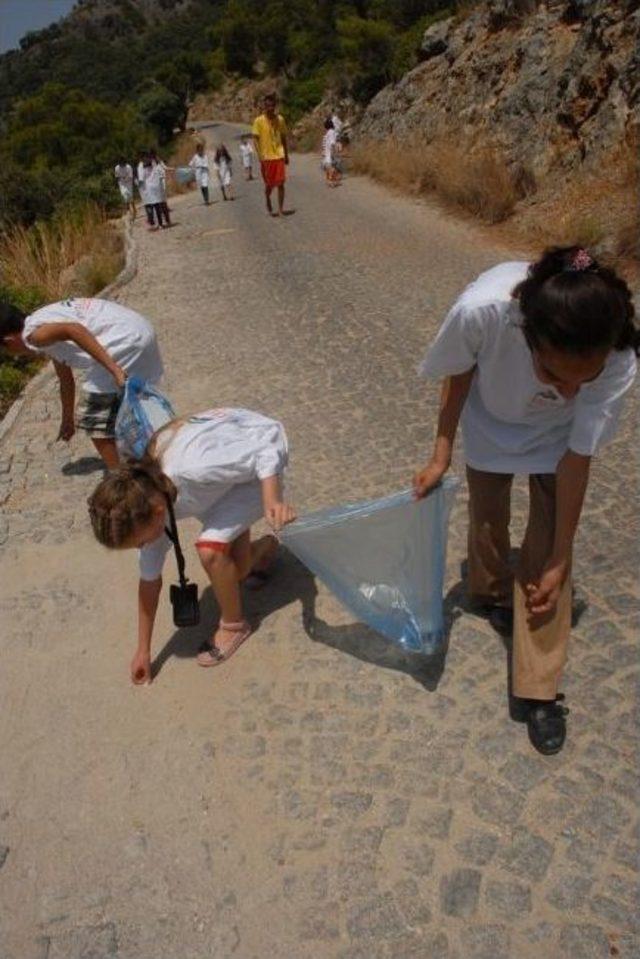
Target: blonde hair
x,y
123,501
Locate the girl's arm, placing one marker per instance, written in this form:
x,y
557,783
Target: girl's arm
x,y
276,513
67,400
148,596
572,479
455,390
50,333
285,148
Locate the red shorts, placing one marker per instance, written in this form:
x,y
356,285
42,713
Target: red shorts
x,y
273,172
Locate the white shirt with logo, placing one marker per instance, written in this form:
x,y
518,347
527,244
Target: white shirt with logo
x,y
512,422
128,338
217,460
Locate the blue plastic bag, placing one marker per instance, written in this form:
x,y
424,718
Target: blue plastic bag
x,y
143,410
384,560
184,174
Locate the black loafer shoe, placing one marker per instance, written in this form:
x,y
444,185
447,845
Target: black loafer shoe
x,y
547,725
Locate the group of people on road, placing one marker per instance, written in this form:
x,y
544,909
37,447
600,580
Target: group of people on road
x,y
267,142
536,360
150,177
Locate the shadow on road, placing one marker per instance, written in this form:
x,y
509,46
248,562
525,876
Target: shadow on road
x,y
358,640
291,583
84,466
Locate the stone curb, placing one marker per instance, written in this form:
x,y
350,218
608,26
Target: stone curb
x,y
42,379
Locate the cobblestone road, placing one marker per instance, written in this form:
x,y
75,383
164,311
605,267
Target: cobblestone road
x,y
314,799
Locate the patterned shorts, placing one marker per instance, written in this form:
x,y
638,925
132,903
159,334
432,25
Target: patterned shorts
x,y
97,415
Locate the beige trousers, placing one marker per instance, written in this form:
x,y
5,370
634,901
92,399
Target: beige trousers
x,y
539,642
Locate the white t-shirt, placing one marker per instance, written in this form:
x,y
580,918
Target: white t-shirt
x,y
151,183
216,461
337,123
127,337
124,175
329,141
512,422
200,165
246,152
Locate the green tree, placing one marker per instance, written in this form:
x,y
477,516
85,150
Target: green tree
x,y
366,50
162,110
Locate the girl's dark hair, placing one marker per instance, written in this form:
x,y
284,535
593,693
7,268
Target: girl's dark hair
x,y
122,501
11,319
573,304
222,154
328,124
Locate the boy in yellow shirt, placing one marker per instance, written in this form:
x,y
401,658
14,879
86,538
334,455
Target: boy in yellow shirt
x,y
270,137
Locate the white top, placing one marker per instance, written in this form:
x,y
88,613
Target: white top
x,y
512,422
329,141
200,165
151,183
337,123
246,151
207,457
127,337
124,174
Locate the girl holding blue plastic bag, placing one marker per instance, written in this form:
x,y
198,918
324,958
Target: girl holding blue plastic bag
x,y
537,360
224,467
105,340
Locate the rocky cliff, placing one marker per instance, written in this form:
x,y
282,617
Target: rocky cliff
x,y
551,84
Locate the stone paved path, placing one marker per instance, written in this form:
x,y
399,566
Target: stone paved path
x,y
314,799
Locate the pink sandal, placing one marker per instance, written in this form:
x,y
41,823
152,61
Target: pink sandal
x,y
212,655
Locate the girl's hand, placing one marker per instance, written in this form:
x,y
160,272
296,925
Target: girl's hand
x,y
279,514
428,477
120,377
67,429
542,597
141,668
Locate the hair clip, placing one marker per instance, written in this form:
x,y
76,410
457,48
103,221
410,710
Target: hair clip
x,y
580,261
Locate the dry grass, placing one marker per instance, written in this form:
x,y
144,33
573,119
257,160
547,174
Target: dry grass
x,y
78,253
184,148
598,209
475,180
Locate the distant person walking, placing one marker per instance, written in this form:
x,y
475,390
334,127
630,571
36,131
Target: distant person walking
x,y
162,168
337,122
329,154
124,176
270,137
151,186
199,163
222,161
247,154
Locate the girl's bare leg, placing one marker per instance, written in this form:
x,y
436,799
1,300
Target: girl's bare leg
x,y
223,573
107,449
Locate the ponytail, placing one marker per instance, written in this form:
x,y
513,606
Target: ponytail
x,y
573,304
123,501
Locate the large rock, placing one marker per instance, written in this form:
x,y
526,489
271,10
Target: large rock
x,y
552,84
435,39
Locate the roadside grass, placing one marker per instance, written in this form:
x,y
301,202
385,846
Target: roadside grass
x,y
75,254
184,146
597,208
475,180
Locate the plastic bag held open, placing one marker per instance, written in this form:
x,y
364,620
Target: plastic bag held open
x,y
143,410
384,560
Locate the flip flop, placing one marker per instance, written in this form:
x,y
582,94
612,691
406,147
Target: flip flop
x,y
212,655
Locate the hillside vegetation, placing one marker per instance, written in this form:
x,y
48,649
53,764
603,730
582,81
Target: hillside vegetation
x,y
116,76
